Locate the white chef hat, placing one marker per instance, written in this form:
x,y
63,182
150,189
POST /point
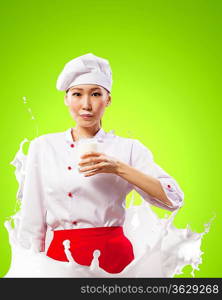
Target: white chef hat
x,y
85,69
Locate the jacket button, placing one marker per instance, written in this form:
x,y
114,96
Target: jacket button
x,y
69,168
72,145
70,194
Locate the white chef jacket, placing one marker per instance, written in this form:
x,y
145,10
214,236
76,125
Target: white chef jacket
x,y
56,196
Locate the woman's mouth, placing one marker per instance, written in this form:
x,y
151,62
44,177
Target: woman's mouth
x,y
86,116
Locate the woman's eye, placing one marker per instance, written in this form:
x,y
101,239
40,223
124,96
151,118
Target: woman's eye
x,y
96,94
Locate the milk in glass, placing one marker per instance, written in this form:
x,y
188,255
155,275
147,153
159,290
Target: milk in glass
x,y
85,145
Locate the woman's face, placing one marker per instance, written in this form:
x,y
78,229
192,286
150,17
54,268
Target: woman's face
x,y
88,99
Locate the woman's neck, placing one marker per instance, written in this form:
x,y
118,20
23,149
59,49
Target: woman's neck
x,y
84,132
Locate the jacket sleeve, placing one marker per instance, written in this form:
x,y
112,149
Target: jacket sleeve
x,y
142,159
32,225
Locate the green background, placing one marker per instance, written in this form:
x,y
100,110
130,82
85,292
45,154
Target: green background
x,y
165,57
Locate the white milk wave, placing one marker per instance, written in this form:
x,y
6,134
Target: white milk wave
x,y
160,249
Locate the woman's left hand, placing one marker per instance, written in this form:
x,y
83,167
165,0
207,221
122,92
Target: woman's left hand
x,y
102,163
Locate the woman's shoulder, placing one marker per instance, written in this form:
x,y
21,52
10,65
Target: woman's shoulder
x,y
47,138
119,138
137,147
132,141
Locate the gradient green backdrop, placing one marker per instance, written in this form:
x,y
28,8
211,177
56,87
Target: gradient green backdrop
x,y
165,57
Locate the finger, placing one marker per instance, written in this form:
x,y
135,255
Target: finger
x,y
90,160
94,166
91,173
88,168
91,153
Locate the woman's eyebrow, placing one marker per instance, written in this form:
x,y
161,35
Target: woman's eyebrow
x,y
82,89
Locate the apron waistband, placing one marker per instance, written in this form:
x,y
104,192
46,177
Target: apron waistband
x,y
88,232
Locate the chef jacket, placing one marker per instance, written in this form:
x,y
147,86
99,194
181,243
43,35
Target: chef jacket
x,y
57,196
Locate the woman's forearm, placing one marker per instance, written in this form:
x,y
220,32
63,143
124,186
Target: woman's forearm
x,y
147,183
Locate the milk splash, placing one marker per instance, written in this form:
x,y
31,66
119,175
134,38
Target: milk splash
x,y
31,114
160,249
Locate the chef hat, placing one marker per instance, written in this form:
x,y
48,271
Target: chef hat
x,y
85,69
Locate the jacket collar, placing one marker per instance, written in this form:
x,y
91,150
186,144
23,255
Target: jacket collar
x,y
100,135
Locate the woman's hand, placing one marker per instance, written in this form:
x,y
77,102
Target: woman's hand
x,y
101,163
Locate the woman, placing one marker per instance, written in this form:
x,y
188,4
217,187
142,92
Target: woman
x,y
85,203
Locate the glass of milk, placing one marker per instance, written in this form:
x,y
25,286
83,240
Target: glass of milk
x,y
86,145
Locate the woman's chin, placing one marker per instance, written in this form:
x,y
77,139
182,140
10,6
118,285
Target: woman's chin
x,y
86,123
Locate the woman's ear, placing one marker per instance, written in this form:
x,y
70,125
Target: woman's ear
x,y
66,100
108,100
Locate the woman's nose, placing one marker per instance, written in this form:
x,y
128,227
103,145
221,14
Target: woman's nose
x,y
86,103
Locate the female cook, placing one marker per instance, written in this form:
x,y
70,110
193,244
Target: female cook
x,y
85,203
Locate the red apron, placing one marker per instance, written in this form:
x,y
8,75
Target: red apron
x,y
116,251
